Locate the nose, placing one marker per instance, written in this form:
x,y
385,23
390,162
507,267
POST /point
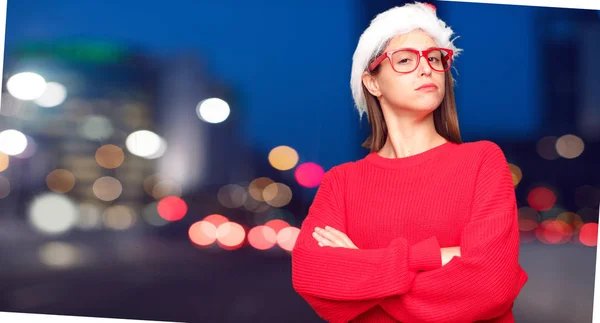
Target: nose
x,y
424,68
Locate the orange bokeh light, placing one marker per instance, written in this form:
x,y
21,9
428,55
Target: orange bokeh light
x,y
202,233
230,235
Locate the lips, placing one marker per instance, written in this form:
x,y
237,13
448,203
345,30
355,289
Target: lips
x,y
428,86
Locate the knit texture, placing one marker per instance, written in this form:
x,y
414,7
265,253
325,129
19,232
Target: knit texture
x,y
399,213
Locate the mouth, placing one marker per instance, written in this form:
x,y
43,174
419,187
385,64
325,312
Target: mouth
x,y
427,87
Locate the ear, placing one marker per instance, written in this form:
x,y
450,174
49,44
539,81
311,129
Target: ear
x,y
371,84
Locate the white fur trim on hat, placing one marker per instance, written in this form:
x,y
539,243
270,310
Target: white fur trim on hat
x,y
386,25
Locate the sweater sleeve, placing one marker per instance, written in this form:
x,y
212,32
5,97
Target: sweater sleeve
x,y
341,283
483,283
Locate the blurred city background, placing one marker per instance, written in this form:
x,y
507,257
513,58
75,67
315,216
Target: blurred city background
x,y
157,159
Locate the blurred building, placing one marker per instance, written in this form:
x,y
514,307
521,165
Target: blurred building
x,y
97,94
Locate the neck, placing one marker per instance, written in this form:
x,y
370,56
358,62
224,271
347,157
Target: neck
x,y
410,136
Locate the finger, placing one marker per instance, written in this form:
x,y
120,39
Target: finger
x,y
323,241
342,236
332,237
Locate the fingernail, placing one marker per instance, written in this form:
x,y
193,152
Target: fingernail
x,y
318,229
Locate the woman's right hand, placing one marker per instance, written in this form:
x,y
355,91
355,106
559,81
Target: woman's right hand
x,y
449,253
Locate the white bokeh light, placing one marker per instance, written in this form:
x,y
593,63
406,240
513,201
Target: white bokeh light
x,y
54,95
144,143
12,142
53,213
213,110
26,86
96,127
162,149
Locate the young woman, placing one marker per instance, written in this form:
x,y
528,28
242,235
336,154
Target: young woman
x,y
425,227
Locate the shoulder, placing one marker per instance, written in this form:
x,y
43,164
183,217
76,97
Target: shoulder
x,y
485,151
340,171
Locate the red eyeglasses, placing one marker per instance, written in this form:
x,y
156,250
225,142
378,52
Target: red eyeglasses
x,y
406,60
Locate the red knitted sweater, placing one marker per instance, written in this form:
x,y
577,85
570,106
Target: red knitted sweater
x,y
399,213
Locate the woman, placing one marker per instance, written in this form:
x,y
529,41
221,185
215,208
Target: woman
x,y
425,227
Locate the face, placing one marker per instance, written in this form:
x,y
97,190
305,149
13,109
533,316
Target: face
x,y
420,91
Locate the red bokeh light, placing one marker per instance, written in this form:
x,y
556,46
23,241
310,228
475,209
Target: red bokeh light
x,y
262,237
172,208
588,234
277,225
216,219
309,175
541,198
554,232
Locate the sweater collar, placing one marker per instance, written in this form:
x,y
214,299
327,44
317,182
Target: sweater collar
x,y
412,160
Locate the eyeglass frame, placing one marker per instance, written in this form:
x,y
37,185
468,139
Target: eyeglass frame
x,y
420,53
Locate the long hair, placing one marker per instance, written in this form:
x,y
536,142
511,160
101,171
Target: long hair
x,y
445,117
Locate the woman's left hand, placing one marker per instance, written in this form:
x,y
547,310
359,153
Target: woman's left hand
x,y
331,237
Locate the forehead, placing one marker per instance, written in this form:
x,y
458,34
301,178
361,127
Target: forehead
x,y
417,39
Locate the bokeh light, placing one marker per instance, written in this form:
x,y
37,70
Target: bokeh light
x,y
262,237
60,181
30,150
546,147
541,198
255,206
166,187
286,238
151,216
553,232
257,187
232,196
202,233
309,174
216,219
213,110
26,86
12,142
4,162
529,218
54,94
283,158
119,217
277,194
107,188
569,146
52,213
4,187
144,143
588,235
516,173
95,128
172,208
572,219
110,156
59,255
230,235
277,225
90,216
